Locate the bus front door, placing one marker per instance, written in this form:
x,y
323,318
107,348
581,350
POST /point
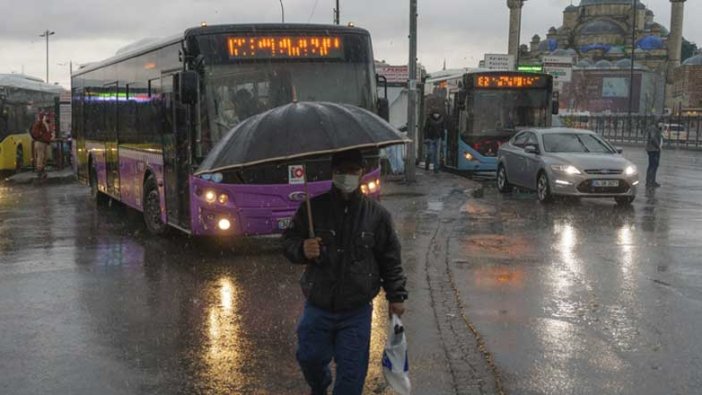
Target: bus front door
x,y
453,131
175,155
111,141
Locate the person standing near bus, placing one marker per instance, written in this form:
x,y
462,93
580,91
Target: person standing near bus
x,y
41,134
654,146
434,129
356,252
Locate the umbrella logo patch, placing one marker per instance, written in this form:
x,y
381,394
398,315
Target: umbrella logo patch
x,y
296,174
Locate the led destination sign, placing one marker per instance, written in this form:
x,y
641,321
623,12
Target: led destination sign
x,y
509,81
285,47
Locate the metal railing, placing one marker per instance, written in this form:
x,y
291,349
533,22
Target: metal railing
x,y
615,128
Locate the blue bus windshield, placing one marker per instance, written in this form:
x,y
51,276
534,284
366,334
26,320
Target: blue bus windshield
x,y
499,113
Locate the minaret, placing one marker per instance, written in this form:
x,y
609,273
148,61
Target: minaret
x,y
515,26
675,38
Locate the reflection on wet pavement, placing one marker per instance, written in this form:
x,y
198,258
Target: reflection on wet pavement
x,y
91,304
587,297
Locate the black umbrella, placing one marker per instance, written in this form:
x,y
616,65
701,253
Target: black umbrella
x,y
299,130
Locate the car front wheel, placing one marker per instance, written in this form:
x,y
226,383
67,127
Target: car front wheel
x,y
543,188
503,184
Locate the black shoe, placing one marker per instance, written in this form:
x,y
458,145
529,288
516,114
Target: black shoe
x,y
656,185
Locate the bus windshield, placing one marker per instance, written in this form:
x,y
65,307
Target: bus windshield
x,y
496,113
236,92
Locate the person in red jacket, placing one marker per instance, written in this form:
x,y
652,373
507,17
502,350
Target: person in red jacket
x,y
41,133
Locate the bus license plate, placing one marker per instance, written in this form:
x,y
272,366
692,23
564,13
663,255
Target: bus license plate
x,y
283,223
605,183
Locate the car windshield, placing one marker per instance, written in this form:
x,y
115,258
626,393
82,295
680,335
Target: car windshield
x,y
575,142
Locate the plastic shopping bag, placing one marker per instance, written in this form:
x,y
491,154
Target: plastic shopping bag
x,y
395,362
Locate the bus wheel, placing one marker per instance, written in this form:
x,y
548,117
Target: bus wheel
x,y
100,198
543,189
19,159
503,184
152,208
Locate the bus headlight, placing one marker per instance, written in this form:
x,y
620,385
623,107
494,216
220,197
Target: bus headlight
x,y
468,156
223,198
224,224
372,187
210,196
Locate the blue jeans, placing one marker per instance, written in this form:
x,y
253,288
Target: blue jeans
x,y
345,337
654,158
433,152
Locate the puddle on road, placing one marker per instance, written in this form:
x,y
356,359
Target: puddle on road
x,y
435,206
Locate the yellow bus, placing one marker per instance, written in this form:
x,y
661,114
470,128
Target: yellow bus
x,y
21,99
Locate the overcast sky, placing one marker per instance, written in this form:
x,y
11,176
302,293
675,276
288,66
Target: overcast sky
x,y
459,31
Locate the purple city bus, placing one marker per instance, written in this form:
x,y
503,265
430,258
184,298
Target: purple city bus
x,y
146,118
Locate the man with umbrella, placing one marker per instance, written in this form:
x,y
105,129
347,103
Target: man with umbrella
x,y
356,251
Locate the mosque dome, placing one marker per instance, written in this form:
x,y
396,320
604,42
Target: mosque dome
x,y
597,2
649,43
601,26
560,52
693,61
616,50
604,64
548,45
626,64
584,64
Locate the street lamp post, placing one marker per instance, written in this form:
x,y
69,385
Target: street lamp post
x,y
282,11
336,13
46,34
631,70
410,164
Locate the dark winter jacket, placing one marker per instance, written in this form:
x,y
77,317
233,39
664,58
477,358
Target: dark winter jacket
x,y
654,138
434,128
360,252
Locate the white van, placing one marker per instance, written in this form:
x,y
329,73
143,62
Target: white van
x,y
674,132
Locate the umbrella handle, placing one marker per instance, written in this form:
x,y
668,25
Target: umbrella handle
x,y
309,206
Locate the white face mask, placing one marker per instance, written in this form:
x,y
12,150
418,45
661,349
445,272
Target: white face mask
x,y
346,182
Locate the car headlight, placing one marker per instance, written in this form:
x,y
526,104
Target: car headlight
x,y
630,170
567,169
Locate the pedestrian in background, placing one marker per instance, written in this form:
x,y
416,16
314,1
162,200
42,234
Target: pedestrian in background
x,y
42,135
356,252
434,129
654,145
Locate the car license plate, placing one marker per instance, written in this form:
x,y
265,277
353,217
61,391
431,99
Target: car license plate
x,y
283,223
605,183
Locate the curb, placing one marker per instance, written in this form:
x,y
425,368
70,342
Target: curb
x,y
52,178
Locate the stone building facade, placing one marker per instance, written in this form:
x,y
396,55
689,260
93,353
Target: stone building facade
x,y
687,86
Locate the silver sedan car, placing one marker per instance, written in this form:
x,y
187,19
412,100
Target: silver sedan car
x,y
567,162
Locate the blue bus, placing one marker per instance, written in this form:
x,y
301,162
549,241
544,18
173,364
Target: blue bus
x,y
487,109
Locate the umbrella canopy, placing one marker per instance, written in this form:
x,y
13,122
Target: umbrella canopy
x,y
298,130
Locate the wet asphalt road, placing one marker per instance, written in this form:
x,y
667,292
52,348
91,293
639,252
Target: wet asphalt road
x,y
589,298
571,298
90,303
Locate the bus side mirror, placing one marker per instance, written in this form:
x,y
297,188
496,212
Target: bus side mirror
x,y
189,84
384,108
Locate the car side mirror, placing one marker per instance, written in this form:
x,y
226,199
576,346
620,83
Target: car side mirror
x,y
188,84
619,149
384,108
531,149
